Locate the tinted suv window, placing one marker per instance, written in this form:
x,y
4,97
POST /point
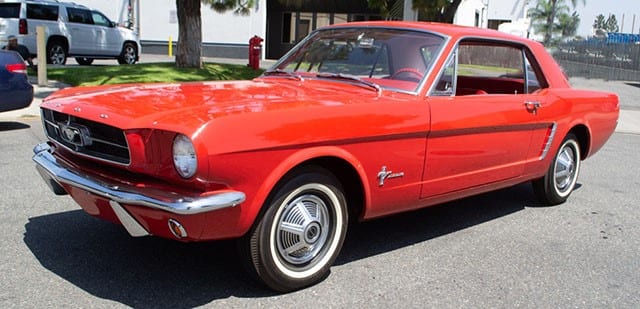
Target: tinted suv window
x,y
39,11
9,10
79,16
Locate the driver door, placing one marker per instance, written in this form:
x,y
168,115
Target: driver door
x,y
481,129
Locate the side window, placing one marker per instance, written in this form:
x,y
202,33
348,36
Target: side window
x,y
9,10
40,11
79,16
490,68
100,20
444,86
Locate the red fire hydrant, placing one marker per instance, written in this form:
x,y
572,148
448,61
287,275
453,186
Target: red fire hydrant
x,y
255,51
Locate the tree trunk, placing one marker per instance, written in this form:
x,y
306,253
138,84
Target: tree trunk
x,y
550,23
450,12
189,48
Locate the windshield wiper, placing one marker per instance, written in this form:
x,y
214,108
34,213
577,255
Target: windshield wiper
x,y
351,78
283,72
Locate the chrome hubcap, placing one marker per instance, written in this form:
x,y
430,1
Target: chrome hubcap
x,y
302,229
57,54
565,169
129,55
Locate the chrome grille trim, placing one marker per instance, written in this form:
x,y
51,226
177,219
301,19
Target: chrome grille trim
x,y
550,139
107,143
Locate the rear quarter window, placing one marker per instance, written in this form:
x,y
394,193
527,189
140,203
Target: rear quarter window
x,y
40,11
9,10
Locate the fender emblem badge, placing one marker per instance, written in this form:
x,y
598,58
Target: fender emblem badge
x,y
384,175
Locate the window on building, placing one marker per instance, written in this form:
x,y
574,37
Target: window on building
x,y
494,23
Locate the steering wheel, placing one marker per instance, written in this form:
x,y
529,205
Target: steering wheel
x,y
408,74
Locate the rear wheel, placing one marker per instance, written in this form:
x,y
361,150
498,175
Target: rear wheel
x,y
301,233
556,186
84,61
56,52
129,54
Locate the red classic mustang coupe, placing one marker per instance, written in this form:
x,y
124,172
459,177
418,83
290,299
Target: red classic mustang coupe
x,y
357,121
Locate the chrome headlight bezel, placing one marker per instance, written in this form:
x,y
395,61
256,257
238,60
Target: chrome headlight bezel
x,y
185,160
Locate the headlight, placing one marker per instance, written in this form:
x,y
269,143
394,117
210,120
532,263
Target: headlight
x,y
184,156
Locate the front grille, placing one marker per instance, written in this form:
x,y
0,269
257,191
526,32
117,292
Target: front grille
x,y
86,137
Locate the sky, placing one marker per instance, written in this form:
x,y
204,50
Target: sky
x,y
592,8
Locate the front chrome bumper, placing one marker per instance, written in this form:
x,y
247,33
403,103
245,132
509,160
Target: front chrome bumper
x,y
56,174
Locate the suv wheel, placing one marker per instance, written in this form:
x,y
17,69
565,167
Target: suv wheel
x,y
84,61
56,53
129,54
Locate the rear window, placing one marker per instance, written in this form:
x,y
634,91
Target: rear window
x,y
9,10
39,11
9,57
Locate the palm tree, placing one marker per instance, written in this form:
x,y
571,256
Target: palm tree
x,y
568,24
546,11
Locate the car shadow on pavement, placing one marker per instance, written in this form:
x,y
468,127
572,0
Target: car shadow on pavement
x,y
12,125
102,259
406,229
633,84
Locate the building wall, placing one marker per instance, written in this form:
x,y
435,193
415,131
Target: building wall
x,y
227,33
492,12
471,13
506,9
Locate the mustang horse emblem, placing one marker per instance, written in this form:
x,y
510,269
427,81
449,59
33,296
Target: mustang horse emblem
x,y
75,134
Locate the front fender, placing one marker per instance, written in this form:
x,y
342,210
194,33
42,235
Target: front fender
x,y
296,159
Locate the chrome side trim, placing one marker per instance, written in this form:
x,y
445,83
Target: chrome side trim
x,y
125,194
130,224
547,146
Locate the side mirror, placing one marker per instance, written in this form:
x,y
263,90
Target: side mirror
x,y
112,24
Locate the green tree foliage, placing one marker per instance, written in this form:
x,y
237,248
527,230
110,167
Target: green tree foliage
x,y
547,16
240,7
568,24
599,22
436,10
612,24
428,10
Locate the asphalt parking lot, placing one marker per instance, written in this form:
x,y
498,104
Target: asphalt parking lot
x,y
499,249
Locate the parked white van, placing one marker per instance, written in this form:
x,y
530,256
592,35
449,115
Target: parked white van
x,y
71,30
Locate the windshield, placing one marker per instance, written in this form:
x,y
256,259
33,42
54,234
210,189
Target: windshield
x,y
390,58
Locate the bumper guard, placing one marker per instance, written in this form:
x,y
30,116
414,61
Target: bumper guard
x,y
56,174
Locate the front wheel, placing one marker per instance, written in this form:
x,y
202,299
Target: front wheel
x,y
129,54
300,234
560,180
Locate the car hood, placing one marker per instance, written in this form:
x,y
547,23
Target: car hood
x,y
185,107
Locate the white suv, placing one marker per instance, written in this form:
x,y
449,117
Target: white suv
x,y
71,30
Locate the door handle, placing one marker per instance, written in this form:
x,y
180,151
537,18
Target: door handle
x,y
532,106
